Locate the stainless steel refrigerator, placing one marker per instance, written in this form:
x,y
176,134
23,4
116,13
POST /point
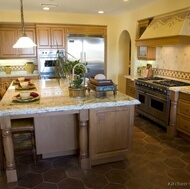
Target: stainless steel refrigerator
x,y
88,49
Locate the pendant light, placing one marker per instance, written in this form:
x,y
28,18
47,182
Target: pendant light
x,y
24,41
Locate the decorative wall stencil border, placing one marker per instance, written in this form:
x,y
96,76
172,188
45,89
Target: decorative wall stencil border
x,y
17,68
172,73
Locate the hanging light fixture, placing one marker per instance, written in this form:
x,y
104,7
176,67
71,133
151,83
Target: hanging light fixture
x,y
24,41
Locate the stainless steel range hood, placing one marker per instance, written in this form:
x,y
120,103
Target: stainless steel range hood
x,y
168,29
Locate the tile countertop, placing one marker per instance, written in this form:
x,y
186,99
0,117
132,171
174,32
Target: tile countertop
x,y
18,74
54,97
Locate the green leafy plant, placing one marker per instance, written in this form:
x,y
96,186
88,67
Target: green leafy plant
x,y
64,67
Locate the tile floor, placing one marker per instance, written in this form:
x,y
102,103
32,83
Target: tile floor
x,y
157,162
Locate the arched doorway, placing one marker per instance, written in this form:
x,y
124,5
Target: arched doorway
x,y
124,59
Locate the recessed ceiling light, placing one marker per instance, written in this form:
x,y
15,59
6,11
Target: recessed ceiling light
x,y
101,12
46,8
125,0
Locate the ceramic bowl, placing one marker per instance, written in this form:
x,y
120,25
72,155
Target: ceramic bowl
x,y
25,95
24,84
21,79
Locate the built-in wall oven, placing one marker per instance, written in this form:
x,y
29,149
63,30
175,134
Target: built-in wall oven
x,y
46,62
154,95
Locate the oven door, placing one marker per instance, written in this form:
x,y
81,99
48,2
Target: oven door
x,y
158,107
141,96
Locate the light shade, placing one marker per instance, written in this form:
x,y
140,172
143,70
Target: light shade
x,y
24,42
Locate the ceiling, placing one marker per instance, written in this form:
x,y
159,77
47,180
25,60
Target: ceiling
x,y
110,7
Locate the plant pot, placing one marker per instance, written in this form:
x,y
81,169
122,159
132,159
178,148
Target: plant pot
x,y
29,66
77,92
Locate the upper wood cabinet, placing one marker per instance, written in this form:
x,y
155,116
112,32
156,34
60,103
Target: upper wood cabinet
x,y
145,53
50,36
9,36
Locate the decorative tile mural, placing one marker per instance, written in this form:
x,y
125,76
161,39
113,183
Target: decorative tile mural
x,y
173,61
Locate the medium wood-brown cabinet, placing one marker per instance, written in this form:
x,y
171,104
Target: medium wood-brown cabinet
x,y
9,36
110,133
143,52
183,114
130,87
49,36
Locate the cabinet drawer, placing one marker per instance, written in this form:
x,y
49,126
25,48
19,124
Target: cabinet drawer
x,y
184,96
184,108
130,82
183,124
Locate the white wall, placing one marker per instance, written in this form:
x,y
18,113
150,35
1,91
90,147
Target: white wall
x,y
128,21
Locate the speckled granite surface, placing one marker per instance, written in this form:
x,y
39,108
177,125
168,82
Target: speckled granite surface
x,y
54,97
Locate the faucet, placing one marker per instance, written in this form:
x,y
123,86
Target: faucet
x,y
73,71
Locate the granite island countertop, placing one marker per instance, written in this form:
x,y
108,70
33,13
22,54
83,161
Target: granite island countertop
x,y
54,97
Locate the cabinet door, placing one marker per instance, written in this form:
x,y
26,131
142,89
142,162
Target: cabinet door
x,y
29,52
50,37
8,38
110,133
43,37
57,38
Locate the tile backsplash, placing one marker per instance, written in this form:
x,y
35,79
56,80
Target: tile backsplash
x,y
171,61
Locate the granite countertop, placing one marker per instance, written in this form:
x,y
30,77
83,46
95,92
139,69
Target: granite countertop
x,y
54,97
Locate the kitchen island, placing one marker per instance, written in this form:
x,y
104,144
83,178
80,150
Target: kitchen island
x,y
99,128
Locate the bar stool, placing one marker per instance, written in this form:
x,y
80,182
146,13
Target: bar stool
x,y
23,136
2,92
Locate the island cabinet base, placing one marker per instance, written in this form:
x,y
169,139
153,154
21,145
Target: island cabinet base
x,y
56,135
110,134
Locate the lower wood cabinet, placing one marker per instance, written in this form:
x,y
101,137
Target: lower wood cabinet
x,y
130,88
56,135
110,133
183,114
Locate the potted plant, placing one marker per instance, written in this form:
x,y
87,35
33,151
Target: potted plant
x,y
74,72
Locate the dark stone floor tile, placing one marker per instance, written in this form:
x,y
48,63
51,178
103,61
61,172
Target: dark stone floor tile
x,y
118,165
139,160
138,150
139,142
22,170
184,149
71,184
155,156
76,172
114,186
46,186
95,181
54,175
171,152
41,166
26,159
104,168
186,158
159,180
66,162
175,162
168,145
30,180
179,175
153,147
138,183
182,142
157,167
118,176
165,137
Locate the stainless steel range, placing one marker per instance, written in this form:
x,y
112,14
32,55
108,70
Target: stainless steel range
x,y
154,95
